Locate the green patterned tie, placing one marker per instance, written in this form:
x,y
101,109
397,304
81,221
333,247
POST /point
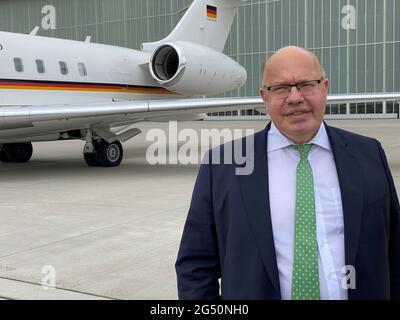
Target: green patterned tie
x,y
305,278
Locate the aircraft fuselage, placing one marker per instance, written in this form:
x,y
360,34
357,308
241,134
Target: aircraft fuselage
x,y
41,71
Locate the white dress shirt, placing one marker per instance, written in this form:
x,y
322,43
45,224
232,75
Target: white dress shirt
x,y
282,165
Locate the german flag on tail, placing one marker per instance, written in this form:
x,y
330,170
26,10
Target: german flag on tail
x,y
211,13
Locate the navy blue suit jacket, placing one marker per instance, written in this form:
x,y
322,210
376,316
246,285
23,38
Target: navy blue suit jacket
x,y
228,231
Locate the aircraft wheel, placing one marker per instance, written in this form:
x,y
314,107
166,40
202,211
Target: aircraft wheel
x,y
17,152
109,154
91,159
3,156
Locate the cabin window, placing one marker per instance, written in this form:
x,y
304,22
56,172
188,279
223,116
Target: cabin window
x,y
19,67
40,66
63,67
82,69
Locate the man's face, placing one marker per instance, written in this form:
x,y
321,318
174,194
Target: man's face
x,y
299,115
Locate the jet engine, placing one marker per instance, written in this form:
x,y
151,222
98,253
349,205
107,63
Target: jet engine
x,y
192,69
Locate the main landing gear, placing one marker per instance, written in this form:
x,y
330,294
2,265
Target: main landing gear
x,y
104,151
16,152
100,153
104,154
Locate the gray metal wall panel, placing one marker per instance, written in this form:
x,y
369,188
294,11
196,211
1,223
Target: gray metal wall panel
x,y
360,60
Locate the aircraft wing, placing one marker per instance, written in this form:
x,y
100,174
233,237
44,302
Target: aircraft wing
x,y
19,120
114,113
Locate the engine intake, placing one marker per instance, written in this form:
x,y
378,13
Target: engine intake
x,y
192,69
166,64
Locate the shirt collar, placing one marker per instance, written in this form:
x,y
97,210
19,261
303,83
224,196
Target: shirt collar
x,y
276,140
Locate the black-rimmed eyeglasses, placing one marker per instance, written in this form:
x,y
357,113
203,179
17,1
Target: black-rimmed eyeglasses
x,y
304,87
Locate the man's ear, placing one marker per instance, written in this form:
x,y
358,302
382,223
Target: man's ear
x,y
326,85
264,98
262,94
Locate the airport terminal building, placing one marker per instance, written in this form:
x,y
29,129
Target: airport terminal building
x,y
358,41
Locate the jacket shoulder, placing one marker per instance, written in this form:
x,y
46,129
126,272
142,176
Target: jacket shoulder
x,y
352,137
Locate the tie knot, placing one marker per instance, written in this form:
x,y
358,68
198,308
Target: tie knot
x,y
303,150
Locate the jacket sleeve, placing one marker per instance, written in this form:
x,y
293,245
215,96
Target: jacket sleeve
x,y
394,232
197,265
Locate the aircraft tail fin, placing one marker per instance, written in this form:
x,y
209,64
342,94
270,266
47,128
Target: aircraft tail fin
x,y
206,22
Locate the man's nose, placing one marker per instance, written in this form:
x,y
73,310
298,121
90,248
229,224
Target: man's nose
x,y
294,96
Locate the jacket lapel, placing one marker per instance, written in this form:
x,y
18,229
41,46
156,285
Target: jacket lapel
x,y
351,186
255,196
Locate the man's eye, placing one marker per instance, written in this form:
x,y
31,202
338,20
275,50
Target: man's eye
x,y
279,89
306,85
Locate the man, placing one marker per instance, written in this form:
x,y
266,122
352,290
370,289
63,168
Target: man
x,y
318,218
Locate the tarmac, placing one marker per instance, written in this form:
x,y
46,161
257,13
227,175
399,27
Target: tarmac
x,y
69,231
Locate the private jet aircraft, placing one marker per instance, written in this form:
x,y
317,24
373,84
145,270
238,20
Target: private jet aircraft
x,y
54,89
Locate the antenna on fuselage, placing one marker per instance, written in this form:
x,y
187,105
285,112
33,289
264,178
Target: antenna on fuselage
x,y
34,31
